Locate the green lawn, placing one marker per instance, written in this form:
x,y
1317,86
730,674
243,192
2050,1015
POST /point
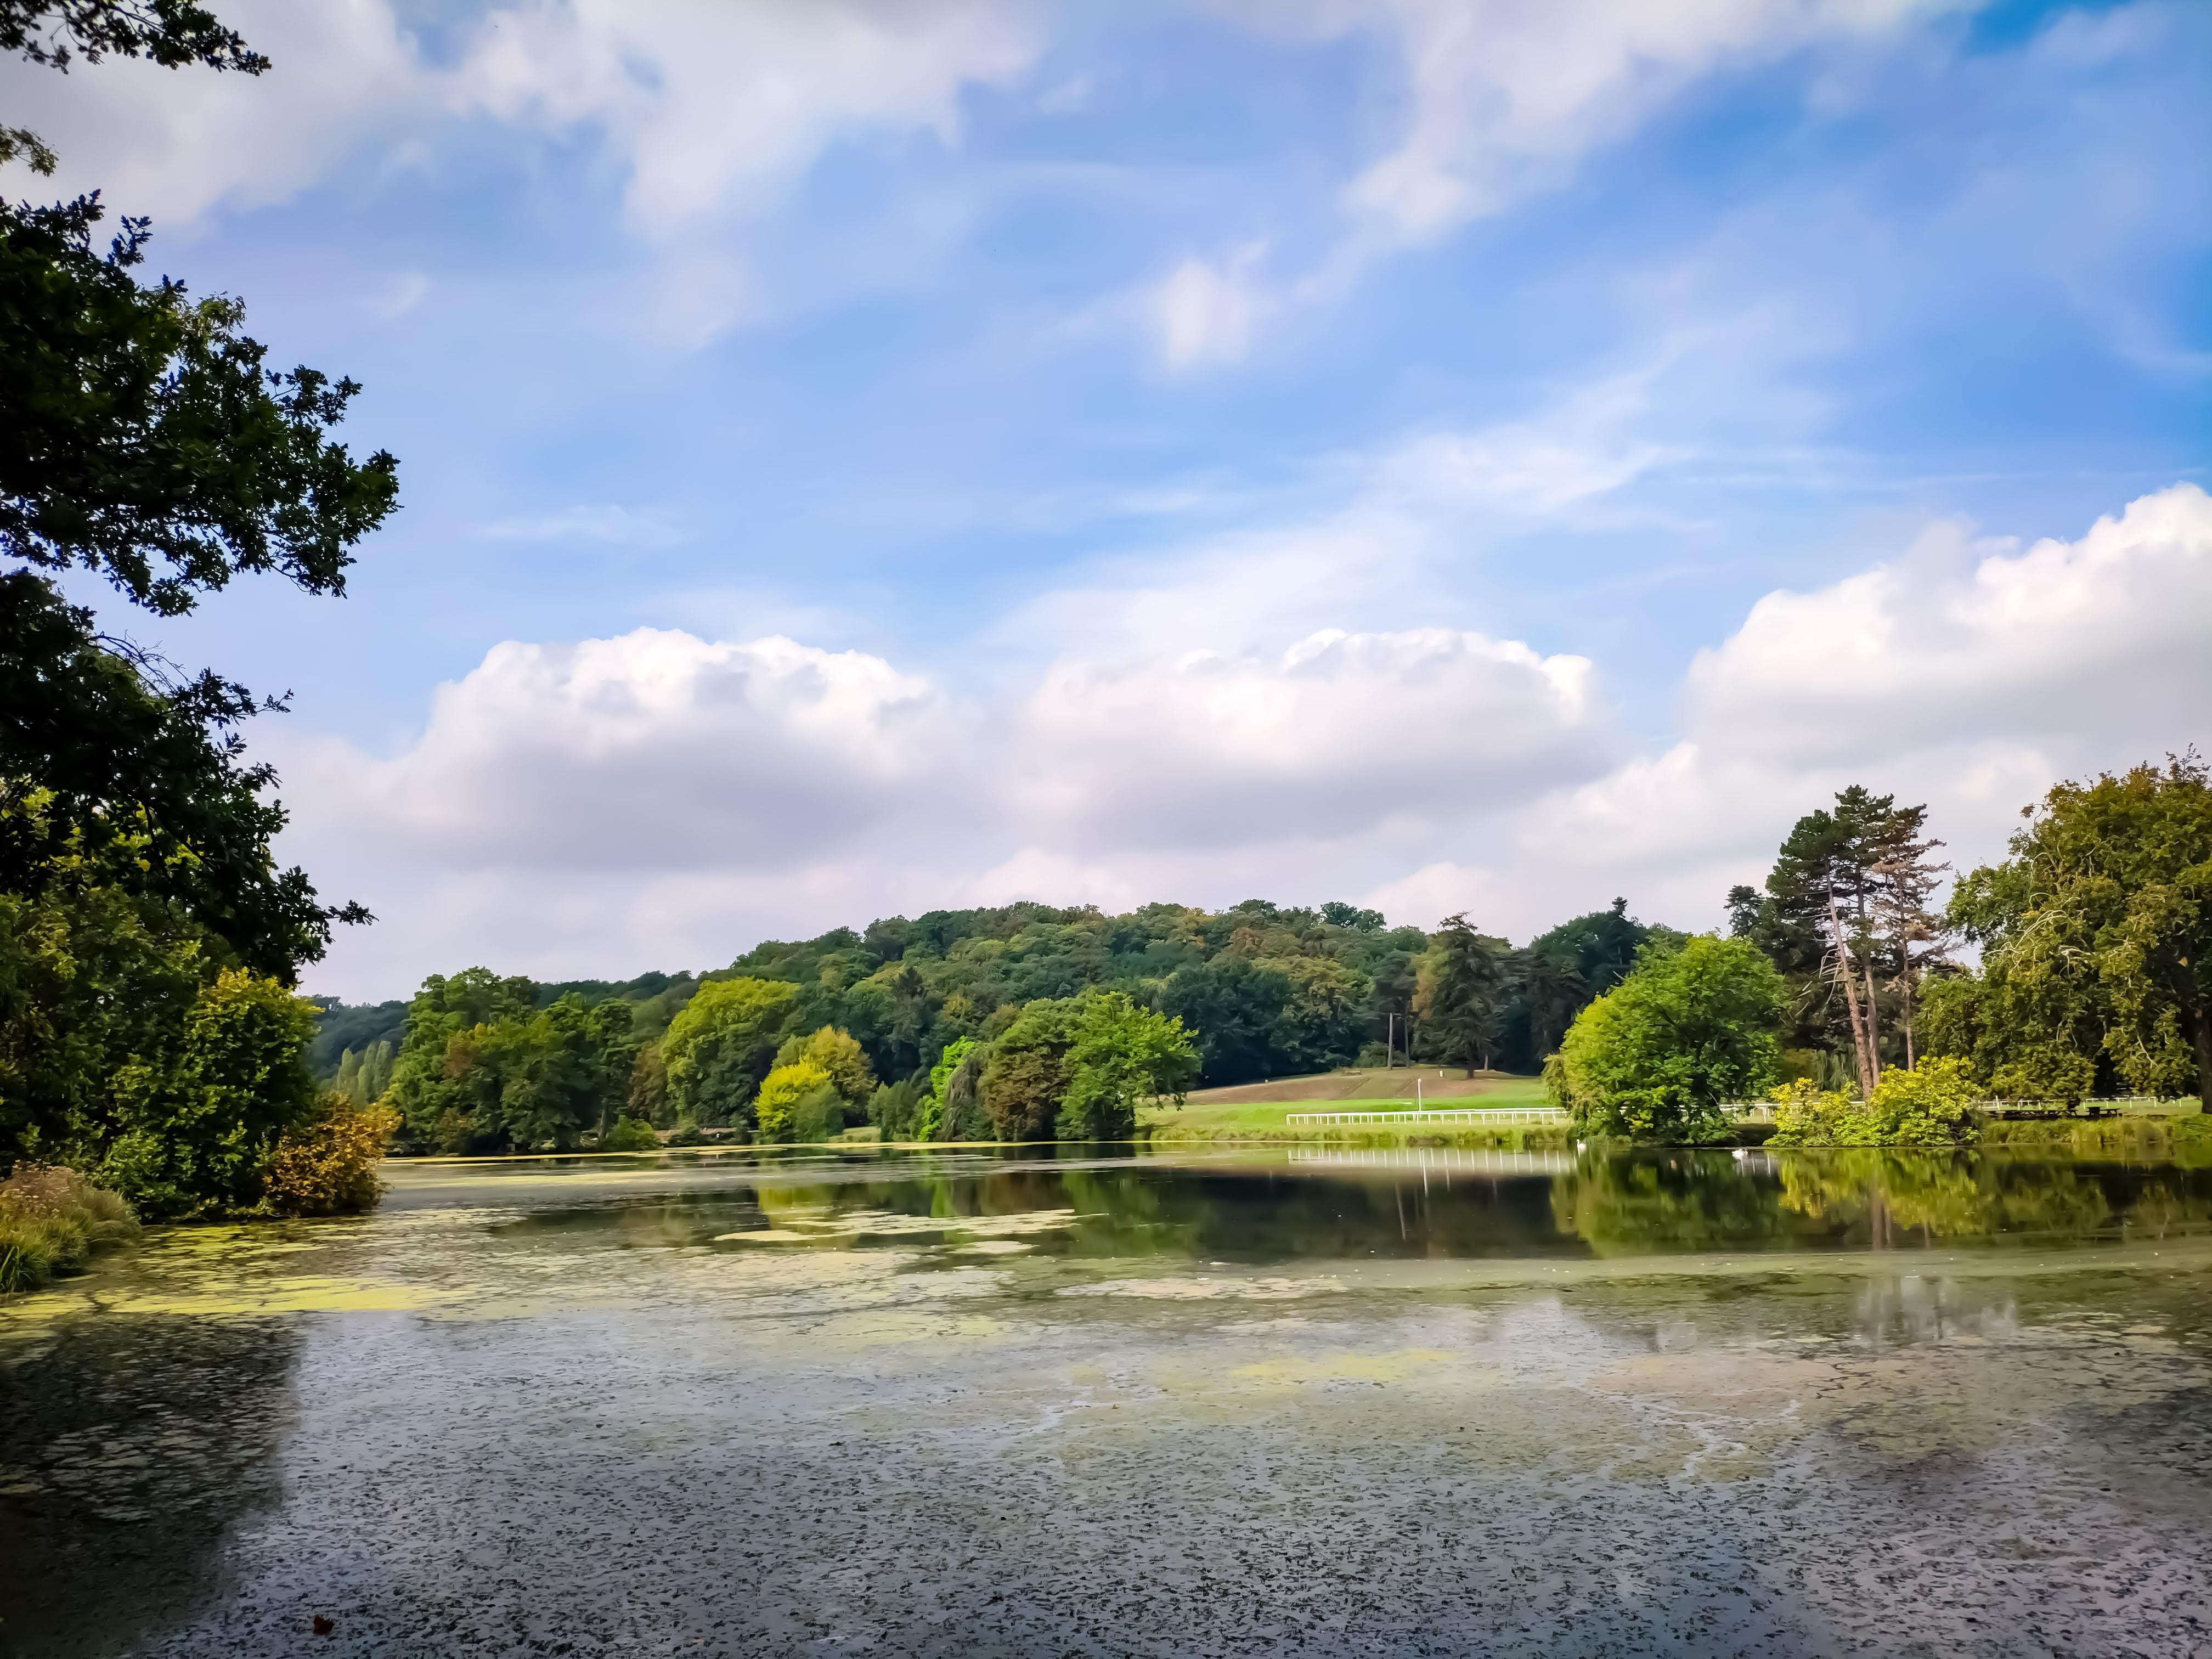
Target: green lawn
x,y
1211,1120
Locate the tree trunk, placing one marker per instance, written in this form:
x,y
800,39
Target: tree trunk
x,y
1846,973
2200,1018
1873,1029
1911,1059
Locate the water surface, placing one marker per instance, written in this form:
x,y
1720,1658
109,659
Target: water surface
x,y
1273,1401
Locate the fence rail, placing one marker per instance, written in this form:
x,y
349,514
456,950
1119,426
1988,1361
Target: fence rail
x,y
1438,1115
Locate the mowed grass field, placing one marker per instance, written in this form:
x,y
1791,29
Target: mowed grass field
x,y
1257,1109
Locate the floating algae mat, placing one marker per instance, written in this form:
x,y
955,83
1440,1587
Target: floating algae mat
x,y
1264,1402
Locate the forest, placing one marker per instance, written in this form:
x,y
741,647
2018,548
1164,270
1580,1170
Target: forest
x,y
935,1013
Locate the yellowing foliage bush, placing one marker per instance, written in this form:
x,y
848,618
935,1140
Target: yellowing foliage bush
x,y
1932,1105
327,1165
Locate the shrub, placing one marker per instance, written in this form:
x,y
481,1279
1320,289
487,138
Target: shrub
x,y
198,1134
50,1217
1806,1114
327,1165
1930,1106
630,1135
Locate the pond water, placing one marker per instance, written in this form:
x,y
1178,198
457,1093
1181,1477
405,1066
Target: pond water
x,y
1265,1402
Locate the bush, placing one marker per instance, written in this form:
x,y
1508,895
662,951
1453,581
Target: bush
x,y
1930,1106
198,1134
630,1135
50,1217
327,1165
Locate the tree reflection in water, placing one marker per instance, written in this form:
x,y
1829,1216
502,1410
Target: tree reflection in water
x,y
131,1448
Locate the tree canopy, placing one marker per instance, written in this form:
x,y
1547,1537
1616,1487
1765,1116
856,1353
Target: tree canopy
x,y
148,939
2096,937
1693,1028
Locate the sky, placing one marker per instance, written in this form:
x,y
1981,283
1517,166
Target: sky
x,y
1485,455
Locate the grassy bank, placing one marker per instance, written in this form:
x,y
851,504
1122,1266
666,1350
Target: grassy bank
x,y
51,1219
1376,1085
2185,1138
1260,1112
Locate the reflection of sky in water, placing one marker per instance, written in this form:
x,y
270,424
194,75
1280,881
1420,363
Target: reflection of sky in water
x,y
1427,1403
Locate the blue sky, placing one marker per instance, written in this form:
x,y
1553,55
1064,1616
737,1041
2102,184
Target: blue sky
x,y
1300,448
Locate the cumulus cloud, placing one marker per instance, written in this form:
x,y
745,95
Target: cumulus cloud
x,y
652,750
2079,644
1967,674
1332,737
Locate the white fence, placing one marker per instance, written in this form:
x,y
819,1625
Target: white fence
x,y
1501,1115
1443,1162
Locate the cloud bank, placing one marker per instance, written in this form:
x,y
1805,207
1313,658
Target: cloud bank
x,y
659,799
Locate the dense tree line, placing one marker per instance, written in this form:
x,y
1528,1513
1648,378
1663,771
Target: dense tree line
x,y
1018,1022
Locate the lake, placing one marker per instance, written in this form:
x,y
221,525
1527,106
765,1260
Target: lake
x,y
1278,1401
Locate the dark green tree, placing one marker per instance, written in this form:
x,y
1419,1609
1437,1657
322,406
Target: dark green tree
x,y
1029,1070
1548,991
1462,992
55,33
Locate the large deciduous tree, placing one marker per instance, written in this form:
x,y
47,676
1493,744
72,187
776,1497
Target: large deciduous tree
x,y
1122,1053
2097,929
1659,1056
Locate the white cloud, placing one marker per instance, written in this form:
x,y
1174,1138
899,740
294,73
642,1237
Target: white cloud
x,y
1584,447
605,522
1970,676
1204,313
2085,641
181,143
1506,95
1502,100
718,109
1330,737
400,295
653,749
